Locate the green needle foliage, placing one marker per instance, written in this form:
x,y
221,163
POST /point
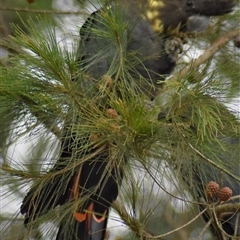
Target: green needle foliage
x,y
43,91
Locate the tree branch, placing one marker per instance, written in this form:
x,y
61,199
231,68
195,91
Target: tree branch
x,y
43,11
227,208
213,163
209,52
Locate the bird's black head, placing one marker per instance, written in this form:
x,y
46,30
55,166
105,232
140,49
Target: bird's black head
x,y
181,10
209,7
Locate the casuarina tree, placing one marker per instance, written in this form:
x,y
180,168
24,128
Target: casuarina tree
x,y
116,112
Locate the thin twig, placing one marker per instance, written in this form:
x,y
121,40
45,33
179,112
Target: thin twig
x,y
184,225
227,208
204,229
125,216
213,163
166,191
236,225
168,217
209,52
53,174
43,11
223,233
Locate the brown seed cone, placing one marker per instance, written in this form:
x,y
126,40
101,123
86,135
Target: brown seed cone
x,y
224,194
93,137
111,113
212,189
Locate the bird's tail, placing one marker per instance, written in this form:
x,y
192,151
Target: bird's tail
x,y
84,225
87,221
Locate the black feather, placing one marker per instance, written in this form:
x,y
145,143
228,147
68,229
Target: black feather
x,y
175,13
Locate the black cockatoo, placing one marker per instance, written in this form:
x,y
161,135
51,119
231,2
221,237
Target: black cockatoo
x,y
89,188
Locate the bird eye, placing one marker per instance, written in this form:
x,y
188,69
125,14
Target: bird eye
x,y
189,3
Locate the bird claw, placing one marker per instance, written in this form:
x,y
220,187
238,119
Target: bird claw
x,y
174,46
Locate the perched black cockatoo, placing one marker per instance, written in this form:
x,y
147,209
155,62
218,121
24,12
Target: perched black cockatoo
x,y
84,180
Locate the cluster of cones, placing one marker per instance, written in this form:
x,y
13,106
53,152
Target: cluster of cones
x,y
213,190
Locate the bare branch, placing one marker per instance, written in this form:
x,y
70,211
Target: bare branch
x,y
43,11
213,163
209,52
